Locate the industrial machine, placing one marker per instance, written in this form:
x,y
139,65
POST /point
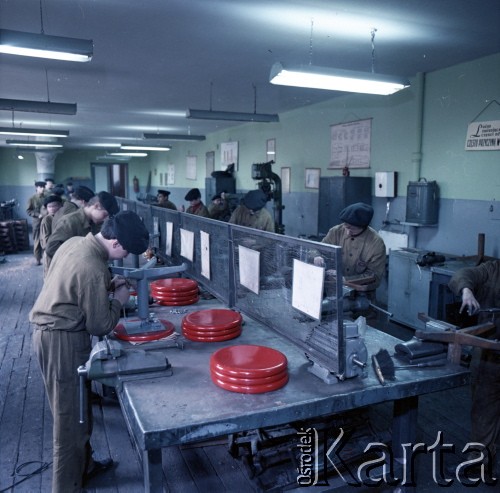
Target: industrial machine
x,y
270,184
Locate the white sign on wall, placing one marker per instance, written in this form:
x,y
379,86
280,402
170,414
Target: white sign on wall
x,y
483,136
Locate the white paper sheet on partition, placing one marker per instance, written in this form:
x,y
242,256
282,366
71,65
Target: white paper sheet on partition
x,y
307,288
205,254
249,268
187,244
169,233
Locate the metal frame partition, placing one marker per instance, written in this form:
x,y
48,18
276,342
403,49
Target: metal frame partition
x,y
270,303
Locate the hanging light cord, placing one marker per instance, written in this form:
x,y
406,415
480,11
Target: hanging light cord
x,y
311,42
374,30
41,17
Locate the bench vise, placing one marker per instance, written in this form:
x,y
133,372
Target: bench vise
x,y
111,365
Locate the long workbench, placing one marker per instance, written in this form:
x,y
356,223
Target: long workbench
x,y
162,411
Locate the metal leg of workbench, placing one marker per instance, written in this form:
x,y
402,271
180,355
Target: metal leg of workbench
x,y
404,431
153,471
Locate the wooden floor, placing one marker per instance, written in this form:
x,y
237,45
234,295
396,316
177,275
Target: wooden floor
x,y
26,422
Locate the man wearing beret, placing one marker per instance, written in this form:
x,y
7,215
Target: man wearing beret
x,y
196,206
219,208
163,200
86,220
363,250
78,198
52,204
253,213
35,204
79,299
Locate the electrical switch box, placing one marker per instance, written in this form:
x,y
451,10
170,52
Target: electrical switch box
x,y
385,184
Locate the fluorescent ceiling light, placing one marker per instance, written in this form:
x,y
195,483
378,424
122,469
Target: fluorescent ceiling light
x,y
38,106
33,143
128,154
336,79
33,132
174,137
45,46
232,116
127,147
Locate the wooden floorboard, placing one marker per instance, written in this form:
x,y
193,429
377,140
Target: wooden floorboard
x,y
26,422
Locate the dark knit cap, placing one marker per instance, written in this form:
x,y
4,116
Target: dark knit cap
x,y
40,183
255,199
217,196
109,203
52,198
58,190
193,194
164,192
358,214
130,232
83,193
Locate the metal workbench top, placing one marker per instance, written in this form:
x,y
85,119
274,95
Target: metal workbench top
x,y
189,407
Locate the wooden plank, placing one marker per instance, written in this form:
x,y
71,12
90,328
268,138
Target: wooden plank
x,y
176,471
203,473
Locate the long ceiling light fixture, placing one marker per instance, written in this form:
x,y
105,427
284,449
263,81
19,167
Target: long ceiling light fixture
x,y
33,143
130,147
334,79
128,154
232,115
45,46
174,137
33,132
38,106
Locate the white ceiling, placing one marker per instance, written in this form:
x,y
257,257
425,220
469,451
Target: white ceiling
x,y
154,59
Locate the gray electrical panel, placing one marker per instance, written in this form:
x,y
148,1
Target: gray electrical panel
x,y
336,193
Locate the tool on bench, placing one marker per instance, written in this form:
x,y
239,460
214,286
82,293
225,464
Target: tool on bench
x,y
111,365
439,331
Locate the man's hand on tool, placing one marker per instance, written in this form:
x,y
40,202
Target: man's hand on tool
x,y
122,294
469,301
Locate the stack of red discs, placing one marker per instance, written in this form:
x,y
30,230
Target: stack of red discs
x,y
120,331
177,291
214,325
249,369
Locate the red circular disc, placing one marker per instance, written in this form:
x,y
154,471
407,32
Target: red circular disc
x,y
251,389
121,332
248,361
248,381
163,295
178,303
204,328
211,333
226,337
174,284
212,319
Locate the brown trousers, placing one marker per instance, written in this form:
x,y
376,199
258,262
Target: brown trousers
x,y
60,353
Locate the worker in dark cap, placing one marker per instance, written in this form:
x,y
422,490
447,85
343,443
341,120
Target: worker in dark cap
x,y
163,200
79,198
363,250
80,299
86,220
52,204
252,212
219,207
34,210
196,206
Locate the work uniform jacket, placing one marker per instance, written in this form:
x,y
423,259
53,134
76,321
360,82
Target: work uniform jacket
x,y
73,224
219,211
167,205
260,219
67,208
198,210
45,232
484,282
34,210
362,256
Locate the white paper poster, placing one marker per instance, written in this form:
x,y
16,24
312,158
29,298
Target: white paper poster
x,y
187,244
483,136
351,144
205,254
307,288
249,268
169,233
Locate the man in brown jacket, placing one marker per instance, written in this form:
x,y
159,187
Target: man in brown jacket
x,y
74,304
33,210
252,212
81,222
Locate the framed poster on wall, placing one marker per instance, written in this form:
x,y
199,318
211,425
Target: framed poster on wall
x,y
271,150
228,155
351,144
312,177
285,179
209,163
